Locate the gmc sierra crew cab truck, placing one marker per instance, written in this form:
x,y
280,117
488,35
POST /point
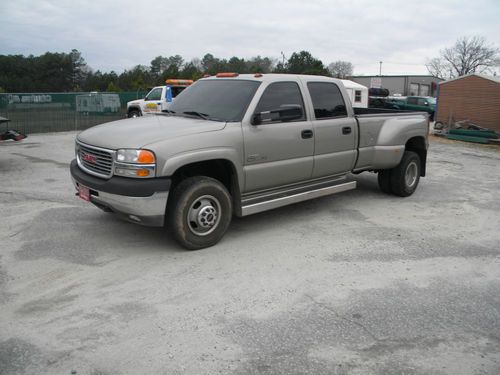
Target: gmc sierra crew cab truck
x,y
240,144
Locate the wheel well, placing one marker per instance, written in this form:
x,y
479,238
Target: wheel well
x,y
417,145
130,109
219,169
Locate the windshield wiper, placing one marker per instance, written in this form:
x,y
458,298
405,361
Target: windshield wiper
x,y
204,116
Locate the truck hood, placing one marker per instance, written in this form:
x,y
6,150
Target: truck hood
x,y
141,131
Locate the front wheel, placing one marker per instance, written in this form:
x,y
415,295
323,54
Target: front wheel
x,y
405,177
199,212
134,113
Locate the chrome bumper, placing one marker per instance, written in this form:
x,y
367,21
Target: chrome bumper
x,y
149,211
139,201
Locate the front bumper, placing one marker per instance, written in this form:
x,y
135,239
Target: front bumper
x,y
141,201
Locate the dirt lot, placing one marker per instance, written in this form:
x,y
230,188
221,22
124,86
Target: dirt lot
x,y
357,283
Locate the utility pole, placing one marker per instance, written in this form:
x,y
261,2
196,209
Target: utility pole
x,y
380,69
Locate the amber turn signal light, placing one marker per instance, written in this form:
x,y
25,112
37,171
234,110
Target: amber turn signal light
x,y
146,157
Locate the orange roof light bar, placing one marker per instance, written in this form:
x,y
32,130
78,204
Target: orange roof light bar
x,y
180,82
226,75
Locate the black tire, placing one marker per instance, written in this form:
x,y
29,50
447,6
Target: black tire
x,y
384,181
405,177
199,212
134,113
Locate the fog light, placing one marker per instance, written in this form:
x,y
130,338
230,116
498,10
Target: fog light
x,y
142,173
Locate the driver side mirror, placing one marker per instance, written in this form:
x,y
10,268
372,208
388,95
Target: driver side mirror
x,y
284,113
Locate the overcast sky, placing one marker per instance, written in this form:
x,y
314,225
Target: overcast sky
x,y
117,35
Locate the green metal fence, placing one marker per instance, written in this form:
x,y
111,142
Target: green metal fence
x,y
53,112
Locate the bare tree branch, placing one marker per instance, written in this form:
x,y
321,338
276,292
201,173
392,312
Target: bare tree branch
x,y
468,55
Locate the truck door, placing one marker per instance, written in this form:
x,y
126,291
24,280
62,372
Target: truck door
x,y
278,152
335,133
152,101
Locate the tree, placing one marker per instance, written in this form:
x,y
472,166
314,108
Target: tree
x,y
138,78
112,87
341,69
212,65
79,69
304,63
468,55
158,65
237,65
259,65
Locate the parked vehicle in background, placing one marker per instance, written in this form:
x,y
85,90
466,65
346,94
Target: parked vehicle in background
x,y
9,134
357,93
242,144
157,99
415,103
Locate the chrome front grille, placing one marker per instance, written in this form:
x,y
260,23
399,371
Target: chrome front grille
x,y
94,160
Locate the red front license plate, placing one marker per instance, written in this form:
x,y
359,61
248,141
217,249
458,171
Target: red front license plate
x,y
84,193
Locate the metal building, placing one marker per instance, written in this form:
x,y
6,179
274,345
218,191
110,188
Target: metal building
x,y
405,85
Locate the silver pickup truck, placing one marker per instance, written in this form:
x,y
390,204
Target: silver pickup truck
x,y
241,144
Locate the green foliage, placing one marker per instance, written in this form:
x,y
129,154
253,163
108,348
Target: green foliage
x,y
112,87
64,72
304,63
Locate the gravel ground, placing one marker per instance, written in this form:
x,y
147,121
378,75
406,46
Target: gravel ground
x,y
356,283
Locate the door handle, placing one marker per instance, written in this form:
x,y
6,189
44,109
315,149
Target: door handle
x,y
346,130
308,133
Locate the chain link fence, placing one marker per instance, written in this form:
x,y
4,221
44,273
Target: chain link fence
x,y
54,112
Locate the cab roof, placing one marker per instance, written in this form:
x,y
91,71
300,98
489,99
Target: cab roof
x,y
275,77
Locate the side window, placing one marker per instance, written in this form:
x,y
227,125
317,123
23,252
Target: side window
x,y
176,90
155,94
357,96
412,101
327,100
281,95
422,101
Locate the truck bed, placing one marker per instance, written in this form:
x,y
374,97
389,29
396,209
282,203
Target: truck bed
x,y
381,111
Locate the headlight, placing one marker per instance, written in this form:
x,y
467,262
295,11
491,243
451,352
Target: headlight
x,y
135,156
135,163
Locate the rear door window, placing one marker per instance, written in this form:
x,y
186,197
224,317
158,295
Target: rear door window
x,y
327,100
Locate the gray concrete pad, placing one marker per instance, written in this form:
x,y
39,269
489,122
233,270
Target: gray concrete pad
x,y
357,283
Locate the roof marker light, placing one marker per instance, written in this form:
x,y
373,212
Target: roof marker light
x,y
226,75
258,75
183,82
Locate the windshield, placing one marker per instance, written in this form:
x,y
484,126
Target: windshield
x,y
219,100
432,101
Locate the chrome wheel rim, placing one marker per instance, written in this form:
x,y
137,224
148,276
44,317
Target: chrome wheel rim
x,y
204,215
411,174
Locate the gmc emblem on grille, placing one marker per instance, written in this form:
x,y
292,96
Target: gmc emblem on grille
x,y
89,158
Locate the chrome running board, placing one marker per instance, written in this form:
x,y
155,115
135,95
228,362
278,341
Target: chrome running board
x,y
254,208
